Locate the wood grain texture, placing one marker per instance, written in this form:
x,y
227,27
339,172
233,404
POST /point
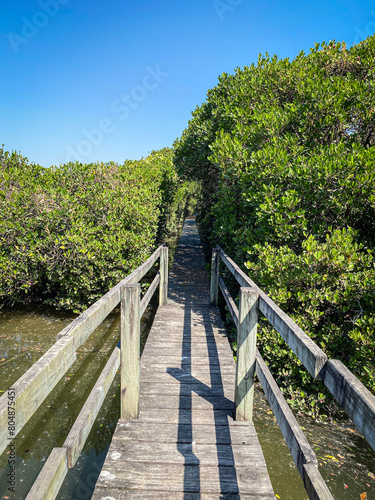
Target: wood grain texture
x,y
51,477
137,430
246,349
195,387
356,400
102,493
130,350
184,478
314,483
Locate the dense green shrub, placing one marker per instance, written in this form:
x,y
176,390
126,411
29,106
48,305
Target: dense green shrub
x,y
285,151
69,233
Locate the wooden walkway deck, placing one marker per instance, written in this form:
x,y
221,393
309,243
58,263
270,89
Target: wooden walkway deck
x,y
185,444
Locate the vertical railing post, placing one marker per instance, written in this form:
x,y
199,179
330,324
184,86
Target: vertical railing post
x,y
163,295
215,269
130,350
246,352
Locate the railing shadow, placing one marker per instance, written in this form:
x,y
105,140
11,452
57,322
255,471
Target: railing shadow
x,y
222,410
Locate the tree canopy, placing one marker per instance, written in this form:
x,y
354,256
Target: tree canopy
x,y
285,152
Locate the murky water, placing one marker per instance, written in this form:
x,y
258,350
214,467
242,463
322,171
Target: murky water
x,y
24,337
346,461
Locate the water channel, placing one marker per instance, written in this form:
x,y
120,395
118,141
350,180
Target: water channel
x,y
346,461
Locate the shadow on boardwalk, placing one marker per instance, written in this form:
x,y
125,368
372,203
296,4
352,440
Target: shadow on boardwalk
x,y
185,444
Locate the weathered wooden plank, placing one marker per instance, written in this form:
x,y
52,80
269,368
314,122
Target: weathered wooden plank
x,y
82,327
34,386
191,416
314,483
205,330
215,270
246,350
130,350
183,378
239,275
121,494
197,368
202,329
173,386
178,360
225,455
301,344
356,400
298,445
199,344
198,312
163,297
229,301
149,294
199,362
312,357
194,401
202,377
185,403
51,477
137,430
183,328
86,418
182,361
167,338
189,478
194,349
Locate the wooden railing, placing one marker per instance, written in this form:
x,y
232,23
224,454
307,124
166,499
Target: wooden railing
x,y
355,399
35,385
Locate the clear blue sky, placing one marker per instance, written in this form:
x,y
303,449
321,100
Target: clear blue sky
x,y
99,81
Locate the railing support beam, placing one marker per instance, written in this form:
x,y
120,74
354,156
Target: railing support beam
x,y
246,353
130,350
163,295
215,269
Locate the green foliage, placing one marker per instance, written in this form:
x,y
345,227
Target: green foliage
x,y
68,234
285,152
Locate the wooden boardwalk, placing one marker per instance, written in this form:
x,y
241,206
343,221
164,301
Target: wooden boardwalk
x,y
185,444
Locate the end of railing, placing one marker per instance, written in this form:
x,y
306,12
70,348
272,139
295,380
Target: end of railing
x,y
246,353
130,350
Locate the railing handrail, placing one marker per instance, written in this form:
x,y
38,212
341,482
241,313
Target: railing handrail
x,y
312,357
354,397
40,379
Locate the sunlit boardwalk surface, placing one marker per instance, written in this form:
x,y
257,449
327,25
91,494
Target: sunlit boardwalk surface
x,y
185,444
